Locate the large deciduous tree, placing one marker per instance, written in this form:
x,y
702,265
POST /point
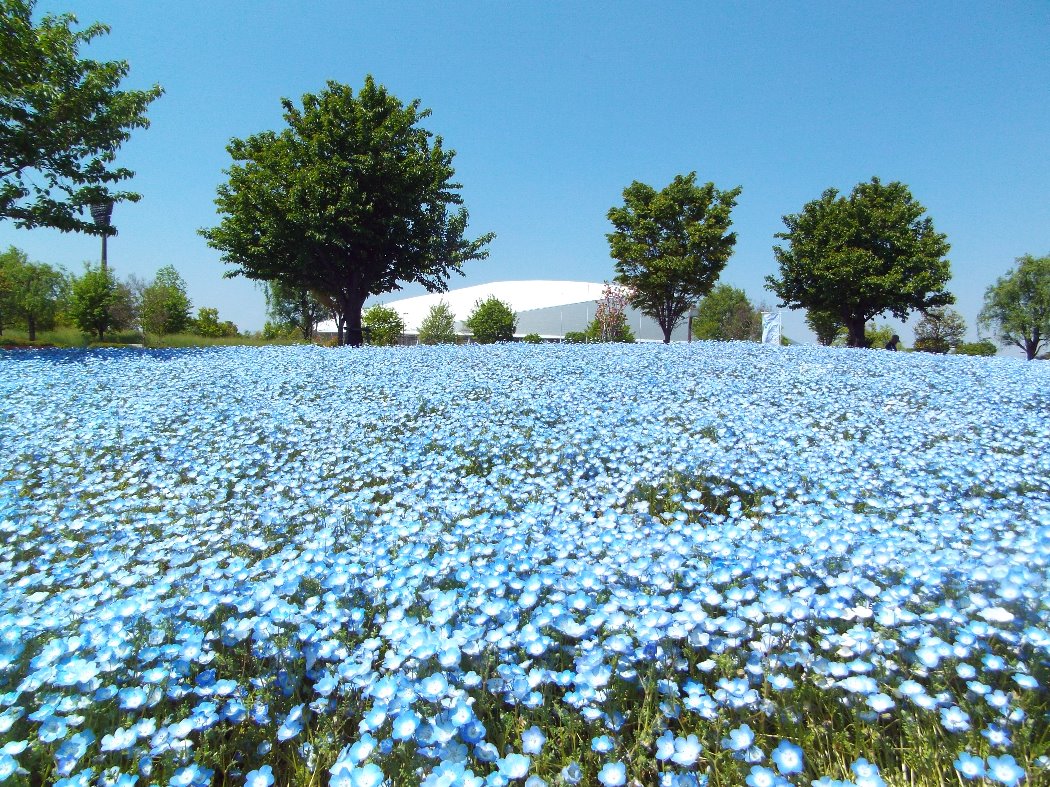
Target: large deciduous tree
x,y
353,198
856,257
671,245
62,119
1017,306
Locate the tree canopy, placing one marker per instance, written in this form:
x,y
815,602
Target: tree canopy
x,y
62,120
165,306
491,321
941,329
726,314
671,245
385,325
353,198
30,291
99,303
439,326
856,257
1017,306
826,326
293,308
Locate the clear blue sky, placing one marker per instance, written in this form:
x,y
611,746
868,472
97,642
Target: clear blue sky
x,y
553,108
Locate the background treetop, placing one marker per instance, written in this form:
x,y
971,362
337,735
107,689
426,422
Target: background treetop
x,y
62,120
671,245
1017,306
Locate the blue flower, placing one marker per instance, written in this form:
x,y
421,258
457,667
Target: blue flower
x,y
405,725
262,777
571,773
969,765
514,766
866,774
955,719
665,746
739,738
761,777
292,724
686,751
613,774
532,740
8,766
788,758
1004,769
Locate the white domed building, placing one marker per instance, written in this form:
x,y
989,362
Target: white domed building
x,y
549,308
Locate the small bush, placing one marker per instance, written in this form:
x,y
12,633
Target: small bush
x,y
576,337
532,338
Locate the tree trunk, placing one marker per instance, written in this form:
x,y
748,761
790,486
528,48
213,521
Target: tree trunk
x,y
666,326
32,328
855,328
351,304
1031,344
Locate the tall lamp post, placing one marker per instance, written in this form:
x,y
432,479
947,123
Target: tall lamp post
x,y
100,214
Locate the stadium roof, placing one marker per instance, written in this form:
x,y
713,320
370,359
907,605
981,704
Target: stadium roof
x,y
521,296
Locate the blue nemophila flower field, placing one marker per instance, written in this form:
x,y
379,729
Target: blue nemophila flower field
x,y
524,565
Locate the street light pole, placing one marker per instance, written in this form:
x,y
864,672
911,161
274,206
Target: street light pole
x,y
100,214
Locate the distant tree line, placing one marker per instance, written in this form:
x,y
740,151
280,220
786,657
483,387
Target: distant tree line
x,y
35,296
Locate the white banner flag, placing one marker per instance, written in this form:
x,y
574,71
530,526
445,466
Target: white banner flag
x,y
771,328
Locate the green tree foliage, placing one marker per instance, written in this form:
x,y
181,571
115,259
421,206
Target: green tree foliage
x,y
941,329
671,245
165,306
62,120
491,321
99,303
292,308
981,347
859,256
384,325
349,200
532,338
826,326
878,336
11,263
30,291
1017,306
726,314
207,324
439,326
875,336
